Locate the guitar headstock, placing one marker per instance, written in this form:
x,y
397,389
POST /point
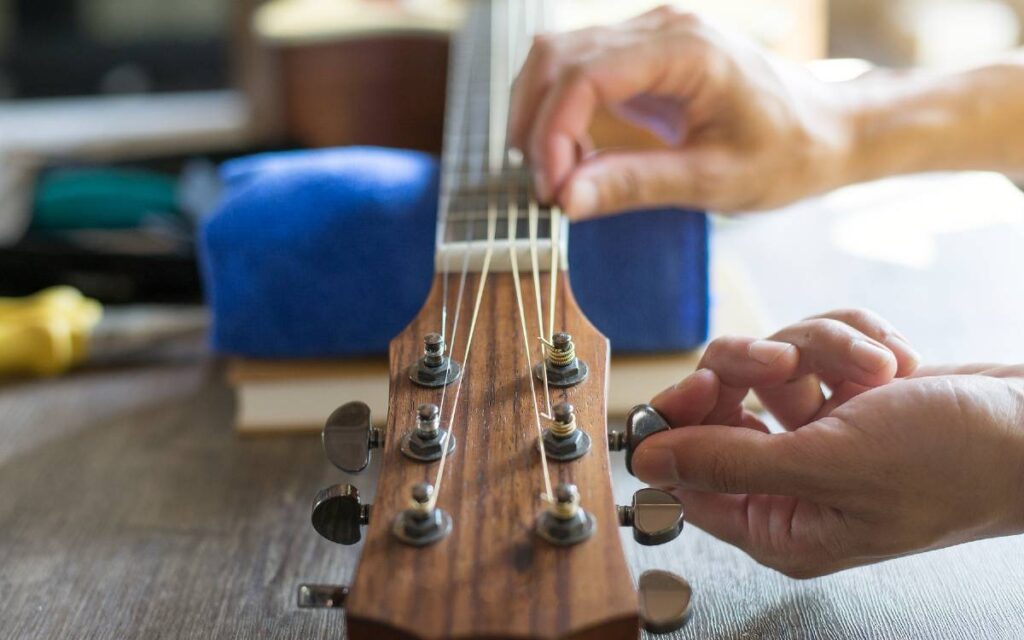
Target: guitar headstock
x,y
500,562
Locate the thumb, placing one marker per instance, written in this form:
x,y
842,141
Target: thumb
x,y
616,181
725,459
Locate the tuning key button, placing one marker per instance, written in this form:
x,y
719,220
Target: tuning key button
x,y
642,422
338,514
349,436
656,516
664,601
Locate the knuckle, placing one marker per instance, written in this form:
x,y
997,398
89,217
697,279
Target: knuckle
x,y
624,188
722,474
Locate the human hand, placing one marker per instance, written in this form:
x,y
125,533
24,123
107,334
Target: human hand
x,y
897,460
745,130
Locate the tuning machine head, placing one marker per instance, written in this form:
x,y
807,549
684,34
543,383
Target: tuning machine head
x,y
349,435
656,516
642,422
338,514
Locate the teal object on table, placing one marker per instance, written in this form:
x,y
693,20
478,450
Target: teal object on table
x,y
330,253
101,199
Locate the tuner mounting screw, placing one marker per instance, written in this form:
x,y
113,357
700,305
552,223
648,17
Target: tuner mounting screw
x,y
564,369
426,441
422,523
434,369
565,523
564,440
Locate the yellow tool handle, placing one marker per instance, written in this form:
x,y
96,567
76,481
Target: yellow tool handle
x,y
46,333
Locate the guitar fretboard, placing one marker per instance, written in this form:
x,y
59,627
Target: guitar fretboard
x,y
482,184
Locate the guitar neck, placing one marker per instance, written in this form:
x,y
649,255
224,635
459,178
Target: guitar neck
x,y
486,194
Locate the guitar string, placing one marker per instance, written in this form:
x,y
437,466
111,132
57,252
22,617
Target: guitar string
x,y
492,223
462,70
513,221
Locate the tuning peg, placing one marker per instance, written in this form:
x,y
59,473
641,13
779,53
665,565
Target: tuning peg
x,y
338,514
349,436
664,601
655,515
642,421
322,596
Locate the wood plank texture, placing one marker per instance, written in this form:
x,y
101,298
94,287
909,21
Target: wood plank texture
x,y
492,577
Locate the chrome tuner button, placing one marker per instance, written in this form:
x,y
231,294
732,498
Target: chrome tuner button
x,y
322,596
642,422
349,436
338,514
422,523
565,523
656,516
664,601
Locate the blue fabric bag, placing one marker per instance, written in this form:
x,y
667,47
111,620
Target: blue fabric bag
x,y
330,253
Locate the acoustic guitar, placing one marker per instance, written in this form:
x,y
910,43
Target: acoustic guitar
x,y
494,515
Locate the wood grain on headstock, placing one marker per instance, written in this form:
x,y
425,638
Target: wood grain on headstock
x,y
492,577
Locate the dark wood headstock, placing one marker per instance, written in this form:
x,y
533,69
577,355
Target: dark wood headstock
x,y
492,576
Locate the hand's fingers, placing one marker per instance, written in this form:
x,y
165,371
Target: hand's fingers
x,y
528,88
838,351
690,401
729,460
608,78
794,403
614,181
777,531
878,328
742,363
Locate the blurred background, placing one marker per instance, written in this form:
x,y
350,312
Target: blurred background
x,y
114,114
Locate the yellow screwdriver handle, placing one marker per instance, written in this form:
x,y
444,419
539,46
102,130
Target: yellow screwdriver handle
x,y
46,333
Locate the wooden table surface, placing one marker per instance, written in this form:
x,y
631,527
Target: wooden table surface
x,y
129,509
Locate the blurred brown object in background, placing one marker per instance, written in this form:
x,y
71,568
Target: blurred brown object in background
x,y
360,71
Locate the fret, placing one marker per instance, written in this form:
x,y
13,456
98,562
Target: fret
x,y
476,179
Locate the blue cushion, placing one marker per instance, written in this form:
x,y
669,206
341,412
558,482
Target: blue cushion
x,y
329,253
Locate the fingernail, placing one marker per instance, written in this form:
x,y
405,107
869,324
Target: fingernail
x,y
870,357
656,465
540,185
582,198
767,351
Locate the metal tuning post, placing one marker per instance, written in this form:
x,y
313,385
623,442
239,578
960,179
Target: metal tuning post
x,y
656,516
564,369
564,440
338,514
349,436
422,523
434,369
642,422
322,596
426,441
565,523
664,601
